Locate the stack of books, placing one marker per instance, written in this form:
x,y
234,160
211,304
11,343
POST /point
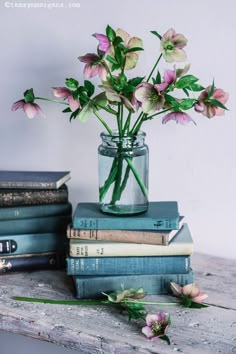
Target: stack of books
x,y
148,250
34,215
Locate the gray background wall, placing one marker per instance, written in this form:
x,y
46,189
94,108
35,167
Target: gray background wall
x,y
195,165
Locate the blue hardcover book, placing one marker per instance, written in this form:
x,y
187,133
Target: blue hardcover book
x,y
128,265
154,284
55,223
33,179
31,243
159,216
35,211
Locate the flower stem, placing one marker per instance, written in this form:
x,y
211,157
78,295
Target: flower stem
x,y
153,69
136,175
103,122
51,100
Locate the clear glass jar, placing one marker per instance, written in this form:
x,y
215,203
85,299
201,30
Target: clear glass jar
x,y
123,174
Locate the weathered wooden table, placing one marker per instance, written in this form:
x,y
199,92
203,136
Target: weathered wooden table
x,y
101,329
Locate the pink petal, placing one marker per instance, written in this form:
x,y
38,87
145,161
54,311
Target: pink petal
x,y
147,331
179,117
169,76
179,40
31,110
168,35
150,318
191,290
18,105
199,107
176,289
61,92
104,43
88,58
200,298
90,71
74,104
102,72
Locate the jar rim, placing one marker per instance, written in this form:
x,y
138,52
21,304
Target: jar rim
x,y
116,134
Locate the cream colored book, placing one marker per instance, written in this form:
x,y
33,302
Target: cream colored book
x,y
182,244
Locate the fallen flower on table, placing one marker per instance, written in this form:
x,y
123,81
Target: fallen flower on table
x,y
157,325
190,295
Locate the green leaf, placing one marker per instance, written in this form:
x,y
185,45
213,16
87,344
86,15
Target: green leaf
x,y
72,84
117,41
111,34
134,49
210,93
111,59
100,100
196,87
86,112
74,114
136,81
187,103
75,94
118,56
194,305
29,96
171,100
186,92
165,338
217,103
156,34
89,87
185,81
66,110
115,67
158,78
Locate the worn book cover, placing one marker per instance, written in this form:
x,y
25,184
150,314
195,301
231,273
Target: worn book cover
x,y
33,179
182,244
159,216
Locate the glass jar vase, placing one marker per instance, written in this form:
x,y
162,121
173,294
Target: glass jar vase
x,y
123,174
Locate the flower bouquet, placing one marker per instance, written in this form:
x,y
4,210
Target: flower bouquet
x,y
123,155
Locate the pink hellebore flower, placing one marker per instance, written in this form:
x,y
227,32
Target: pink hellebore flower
x,y
179,117
129,43
157,325
63,92
93,66
31,109
190,290
172,45
150,97
169,79
209,109
104,43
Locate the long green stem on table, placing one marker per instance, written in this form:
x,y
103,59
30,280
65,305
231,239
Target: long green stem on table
x,y
88,302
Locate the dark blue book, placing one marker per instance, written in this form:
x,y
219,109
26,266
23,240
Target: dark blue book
x,y
159,216
32,243
154,284
35,211
56,223
128,265
33,179
31,262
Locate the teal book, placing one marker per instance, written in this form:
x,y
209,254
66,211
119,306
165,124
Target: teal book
x,y
89,287
31,243
182,244
35,211
33,179
127,265
159,216
47,224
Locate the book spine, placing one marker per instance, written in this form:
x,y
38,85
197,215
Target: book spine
x,y
11,197
35,211
125,224
31,243
147,237
114,249
35,225
128,265
31,262
155,284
